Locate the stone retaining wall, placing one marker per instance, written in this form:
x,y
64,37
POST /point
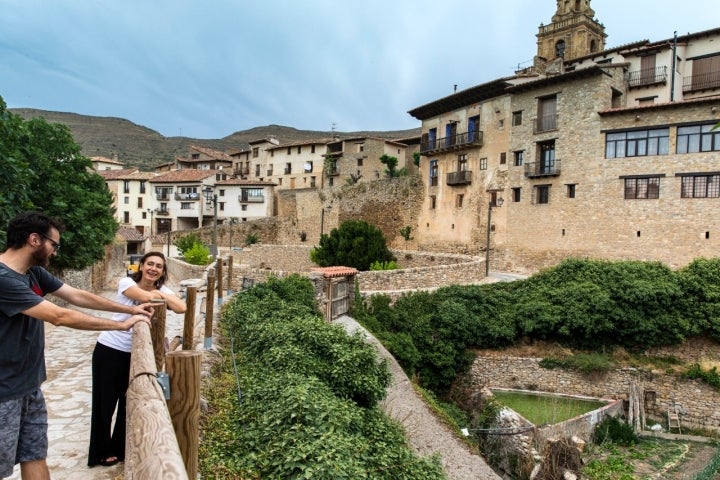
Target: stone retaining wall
x,y
699,402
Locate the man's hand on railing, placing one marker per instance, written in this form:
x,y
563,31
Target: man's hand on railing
x,y
128,323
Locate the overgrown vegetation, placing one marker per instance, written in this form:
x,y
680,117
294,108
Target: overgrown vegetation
x,y
304,401
581,362
388,265
251,239
711,376
192,249
592,305
186,242
354,243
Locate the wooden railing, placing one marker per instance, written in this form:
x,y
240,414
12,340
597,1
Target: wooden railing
x,y
163,421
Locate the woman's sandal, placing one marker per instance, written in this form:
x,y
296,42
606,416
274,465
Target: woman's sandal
x,y
109,461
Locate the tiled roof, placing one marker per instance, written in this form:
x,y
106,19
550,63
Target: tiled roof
x,y
215,154
106,160
117,174
130,234
184,175
237,181
318,141
332,272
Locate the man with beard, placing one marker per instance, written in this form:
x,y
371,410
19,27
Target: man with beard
x,y
32,240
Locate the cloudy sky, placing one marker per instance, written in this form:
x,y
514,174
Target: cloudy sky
x,y
208,68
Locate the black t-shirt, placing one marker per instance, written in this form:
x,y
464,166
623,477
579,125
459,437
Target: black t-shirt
x,y
22,338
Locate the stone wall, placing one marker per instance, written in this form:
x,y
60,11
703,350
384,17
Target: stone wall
x,y
698,401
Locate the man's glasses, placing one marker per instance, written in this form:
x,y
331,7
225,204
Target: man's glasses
x,y
55,245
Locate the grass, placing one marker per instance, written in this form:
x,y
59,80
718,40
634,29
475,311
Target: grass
x,y
542,409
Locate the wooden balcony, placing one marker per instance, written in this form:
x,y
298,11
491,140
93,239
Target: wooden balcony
x,y
455,142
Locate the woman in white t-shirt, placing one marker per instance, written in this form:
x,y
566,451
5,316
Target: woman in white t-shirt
x,y
111,360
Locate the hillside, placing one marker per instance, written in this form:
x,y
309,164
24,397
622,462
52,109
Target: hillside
x,y
145,148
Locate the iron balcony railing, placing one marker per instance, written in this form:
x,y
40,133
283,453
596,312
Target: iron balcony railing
x,y
461,140
542,169
241,172
187,196
546,123
162,211
463,177
162,196
647,76
704,81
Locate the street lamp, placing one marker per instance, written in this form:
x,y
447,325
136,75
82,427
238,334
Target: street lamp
x,y
498,203
151,212
322,218
211,197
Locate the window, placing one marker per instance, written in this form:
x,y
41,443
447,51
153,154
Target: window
x,y
637,143
570,189
243,207
642,188
256,152
432,202
432,138
462,162
299,150
126,186
503,158
698,138
459,200
195,156
483,164
516,194
560,48
142,186
312,148
517,118
473,128
140,202
222,192
289,150
359,162
433,173
547,114
542,194
186,206
704,73
519,158
312,182
308,167
126,200
221,206
700,186
257,170
288,168
360,147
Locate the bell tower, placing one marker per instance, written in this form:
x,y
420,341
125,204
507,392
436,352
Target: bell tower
x,y
573,33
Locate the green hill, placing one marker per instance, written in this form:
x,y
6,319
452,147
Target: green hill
x,y
145,148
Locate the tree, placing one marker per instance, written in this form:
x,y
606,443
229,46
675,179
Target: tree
x,y
354,244
49,174
391,164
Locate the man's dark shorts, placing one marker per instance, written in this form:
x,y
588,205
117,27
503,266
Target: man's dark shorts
x,y
23,431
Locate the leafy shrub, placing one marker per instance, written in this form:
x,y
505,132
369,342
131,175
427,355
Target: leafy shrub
x,y
711,377
405,232
580,362
388,265
197,254
251,239
354,244
612,430
186,242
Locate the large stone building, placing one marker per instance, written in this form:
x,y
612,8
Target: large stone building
x,y
590,152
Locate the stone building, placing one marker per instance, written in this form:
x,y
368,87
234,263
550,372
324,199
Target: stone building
x,y
594,153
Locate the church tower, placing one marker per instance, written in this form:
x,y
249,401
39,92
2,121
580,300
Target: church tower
x,y
573,33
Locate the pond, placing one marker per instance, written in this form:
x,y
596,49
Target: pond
x,y
546,409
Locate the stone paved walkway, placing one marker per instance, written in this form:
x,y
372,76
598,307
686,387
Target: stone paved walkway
x,y
68,356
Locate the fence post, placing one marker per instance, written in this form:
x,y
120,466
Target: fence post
x,y
151,450
158,331
209,309
230,275
188,342
219,278
183,367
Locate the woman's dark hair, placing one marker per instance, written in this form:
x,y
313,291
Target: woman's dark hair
x,y
27,223
163,278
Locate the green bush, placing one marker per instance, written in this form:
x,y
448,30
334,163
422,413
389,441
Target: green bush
x,y
580,362
186,242
612,430
251,239
711,377
197,254
389,265
354,244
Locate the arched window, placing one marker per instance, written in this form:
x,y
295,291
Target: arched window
x,y
593,46
560,48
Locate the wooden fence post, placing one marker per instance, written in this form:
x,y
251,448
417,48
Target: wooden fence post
x,y
188,342
183,367
158,331
219,280
151,449
209,309
230,275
